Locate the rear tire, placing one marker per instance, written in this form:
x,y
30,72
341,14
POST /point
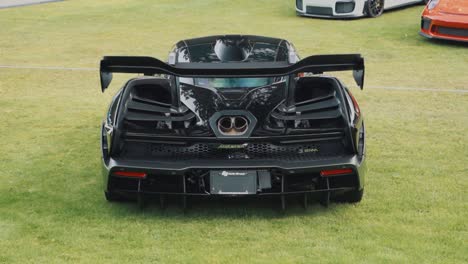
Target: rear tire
x,y
354,196
375,8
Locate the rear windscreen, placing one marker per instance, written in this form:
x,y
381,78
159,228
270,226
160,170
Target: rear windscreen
x,y
230,83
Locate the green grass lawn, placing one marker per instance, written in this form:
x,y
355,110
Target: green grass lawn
x,y
52,209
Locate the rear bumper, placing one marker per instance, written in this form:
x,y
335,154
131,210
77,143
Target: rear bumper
x,y
331,8
446,26
290,177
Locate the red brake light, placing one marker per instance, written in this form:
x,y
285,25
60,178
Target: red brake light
x,y
326,173
130,174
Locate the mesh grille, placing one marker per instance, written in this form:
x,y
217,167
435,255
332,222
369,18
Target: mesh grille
x,y
320,11
250,151
453,31
344,7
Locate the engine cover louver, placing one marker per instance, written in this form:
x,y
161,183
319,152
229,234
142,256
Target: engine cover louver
x,y
149,108
169,116
317,114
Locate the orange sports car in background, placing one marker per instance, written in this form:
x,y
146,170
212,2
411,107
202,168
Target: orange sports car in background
x,y
445,19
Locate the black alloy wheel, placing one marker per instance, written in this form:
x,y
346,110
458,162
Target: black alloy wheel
x,y
375,8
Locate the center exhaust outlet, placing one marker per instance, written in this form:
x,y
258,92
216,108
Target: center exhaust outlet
x,y
233,125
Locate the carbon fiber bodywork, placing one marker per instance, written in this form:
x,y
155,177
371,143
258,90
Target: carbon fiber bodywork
x,y
161,135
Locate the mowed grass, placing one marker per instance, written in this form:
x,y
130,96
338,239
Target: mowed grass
x,y
52,208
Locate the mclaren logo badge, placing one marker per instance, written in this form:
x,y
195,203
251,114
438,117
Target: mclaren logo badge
x,y
233,146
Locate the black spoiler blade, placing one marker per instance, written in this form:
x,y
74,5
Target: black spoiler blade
x,y
150,66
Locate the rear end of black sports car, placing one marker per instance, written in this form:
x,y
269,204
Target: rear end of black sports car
x,y
234,116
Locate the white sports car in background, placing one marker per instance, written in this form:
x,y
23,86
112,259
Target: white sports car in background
x,y
349,8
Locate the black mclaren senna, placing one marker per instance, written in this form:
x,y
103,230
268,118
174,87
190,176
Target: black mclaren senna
x,y
233,115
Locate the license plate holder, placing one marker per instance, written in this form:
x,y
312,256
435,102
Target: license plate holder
x,y
233,182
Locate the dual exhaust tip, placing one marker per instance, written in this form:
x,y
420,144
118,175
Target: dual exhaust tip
x,y
233,125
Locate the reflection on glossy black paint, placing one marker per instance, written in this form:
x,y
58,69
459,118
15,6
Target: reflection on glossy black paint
x,y
233,48
205,102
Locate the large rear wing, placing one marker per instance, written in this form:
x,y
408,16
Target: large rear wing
x,y
150,66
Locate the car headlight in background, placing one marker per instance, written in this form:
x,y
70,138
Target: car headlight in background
x,y
299,4
432,4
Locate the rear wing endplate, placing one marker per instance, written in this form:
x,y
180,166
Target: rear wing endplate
x,y
317,64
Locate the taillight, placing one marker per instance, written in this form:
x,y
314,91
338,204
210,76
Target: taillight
x,y
327,173
133,174
355,104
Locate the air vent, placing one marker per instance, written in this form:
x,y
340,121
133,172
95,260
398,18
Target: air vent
x,y
159,92
426,23
344,7
149,108
319,11
317,107
459,32
299,4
